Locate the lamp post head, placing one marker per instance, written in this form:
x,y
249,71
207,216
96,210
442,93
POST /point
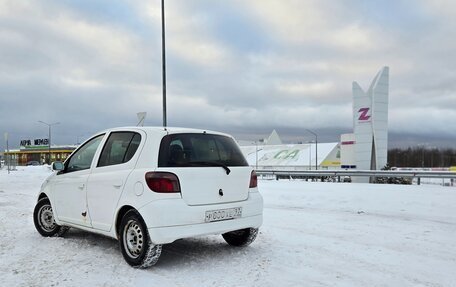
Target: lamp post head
x,y
48,124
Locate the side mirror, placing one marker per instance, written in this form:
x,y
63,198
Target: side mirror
x,y
57,166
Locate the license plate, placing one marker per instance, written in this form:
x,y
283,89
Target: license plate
x,y
223,214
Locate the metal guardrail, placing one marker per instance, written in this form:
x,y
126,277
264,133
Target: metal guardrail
x,y
368,173
374,173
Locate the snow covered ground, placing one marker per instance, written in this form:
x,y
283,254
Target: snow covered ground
x,y
314,234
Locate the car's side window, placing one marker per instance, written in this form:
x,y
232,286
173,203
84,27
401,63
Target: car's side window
x,y
119,148
82,158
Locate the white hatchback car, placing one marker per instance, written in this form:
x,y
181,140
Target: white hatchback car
x,y
148,186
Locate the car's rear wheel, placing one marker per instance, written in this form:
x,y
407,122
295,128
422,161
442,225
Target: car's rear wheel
x,y
241,237
135,244
43,217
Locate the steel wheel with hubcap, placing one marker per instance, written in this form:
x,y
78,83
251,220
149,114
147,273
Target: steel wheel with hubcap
x,y
43,218
133,239
135,244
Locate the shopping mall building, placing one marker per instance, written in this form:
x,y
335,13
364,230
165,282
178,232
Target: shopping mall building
x,y
37,150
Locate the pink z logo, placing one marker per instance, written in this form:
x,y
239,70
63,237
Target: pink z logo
x,y
363,114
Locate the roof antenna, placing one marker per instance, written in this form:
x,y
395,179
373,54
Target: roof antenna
x,y
141,117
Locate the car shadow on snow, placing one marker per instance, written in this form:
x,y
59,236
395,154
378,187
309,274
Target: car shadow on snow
x,y
202,249
84,238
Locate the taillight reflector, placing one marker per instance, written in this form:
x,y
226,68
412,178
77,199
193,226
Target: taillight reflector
x,y
253,180
163,182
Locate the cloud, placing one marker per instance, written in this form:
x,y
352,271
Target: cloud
x,y
242,66
187,38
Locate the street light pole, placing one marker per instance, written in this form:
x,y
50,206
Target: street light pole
x,y
49,138
256,155
7,153
316,147
8,156
49,142
79,137
310,154
163,63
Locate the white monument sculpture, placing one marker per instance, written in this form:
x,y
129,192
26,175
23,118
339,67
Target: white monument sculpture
x,y
370,124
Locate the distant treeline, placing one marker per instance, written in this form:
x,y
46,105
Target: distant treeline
x,y
422,157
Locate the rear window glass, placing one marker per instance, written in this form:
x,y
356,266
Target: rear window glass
x,y
183,150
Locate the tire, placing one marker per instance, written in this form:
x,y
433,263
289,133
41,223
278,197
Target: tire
x,y
43,218
135,244
242,237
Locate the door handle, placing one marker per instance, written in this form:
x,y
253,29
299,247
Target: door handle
x,y
117,185
81,187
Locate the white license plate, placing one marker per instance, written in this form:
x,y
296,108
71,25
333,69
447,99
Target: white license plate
x,y
223,214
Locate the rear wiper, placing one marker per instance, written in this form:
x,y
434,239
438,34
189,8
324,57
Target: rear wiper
x,y
212,163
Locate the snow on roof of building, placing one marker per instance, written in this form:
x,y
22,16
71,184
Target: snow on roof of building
x,y
274,139
288,154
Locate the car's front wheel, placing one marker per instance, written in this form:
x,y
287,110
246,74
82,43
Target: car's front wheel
x,y
43,217
137,248
242,237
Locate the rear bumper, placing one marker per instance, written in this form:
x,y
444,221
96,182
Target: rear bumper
x,y
172,219
163,235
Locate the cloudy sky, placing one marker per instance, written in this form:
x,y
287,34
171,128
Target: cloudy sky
x,y
242,67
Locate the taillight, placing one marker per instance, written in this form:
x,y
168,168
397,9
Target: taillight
x,y
253,180
163,182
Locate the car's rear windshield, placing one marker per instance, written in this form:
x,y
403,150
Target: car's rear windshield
x,y
188,149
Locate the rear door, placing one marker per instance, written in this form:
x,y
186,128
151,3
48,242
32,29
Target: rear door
x,y
211,168
107,180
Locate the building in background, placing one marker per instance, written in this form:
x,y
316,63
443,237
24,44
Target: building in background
x,y
272,154
347,151
273,139
38,151
364,149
